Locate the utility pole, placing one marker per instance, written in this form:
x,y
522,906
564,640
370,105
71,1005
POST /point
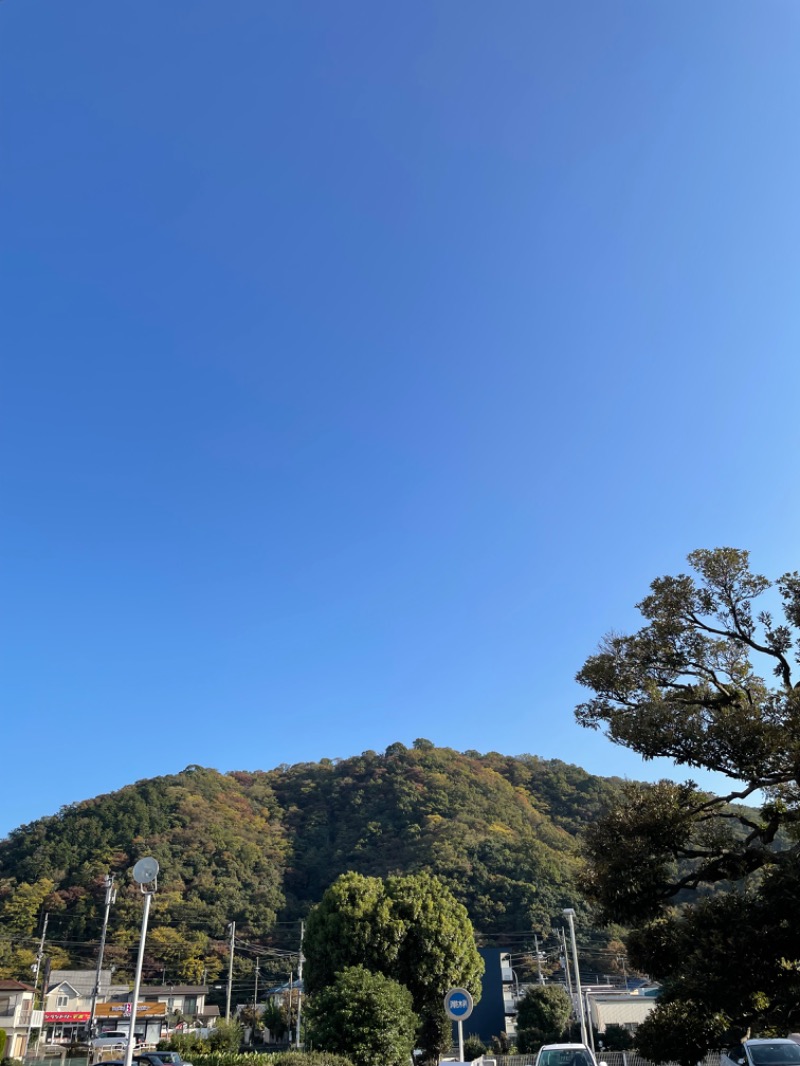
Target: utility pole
x,y
255,1005
289,1010
538,959
562,940
111,895
570,916
232,931
300,983
39,957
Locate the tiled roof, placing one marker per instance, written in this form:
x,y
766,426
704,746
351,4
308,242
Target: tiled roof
x,y
173,990
81,980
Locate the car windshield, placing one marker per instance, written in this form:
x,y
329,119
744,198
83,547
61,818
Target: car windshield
x,y
166,1057
769,1054
565,1057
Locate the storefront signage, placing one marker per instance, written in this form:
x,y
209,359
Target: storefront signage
x,y
66,1016
123,1010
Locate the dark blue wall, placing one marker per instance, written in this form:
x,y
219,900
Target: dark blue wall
x,y
488,1019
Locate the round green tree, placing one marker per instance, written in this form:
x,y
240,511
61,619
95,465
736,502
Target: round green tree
x,y
411,929
352,925
366,1016
437,952
542,1016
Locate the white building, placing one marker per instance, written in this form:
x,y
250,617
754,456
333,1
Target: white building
x,y
628,1009
17,1016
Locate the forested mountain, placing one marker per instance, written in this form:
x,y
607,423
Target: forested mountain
x,y
261,847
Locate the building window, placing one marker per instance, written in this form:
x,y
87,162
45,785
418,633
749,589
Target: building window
x,y
62,1001
190,1005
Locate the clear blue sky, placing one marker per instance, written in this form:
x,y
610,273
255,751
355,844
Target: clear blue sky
x,y
362,364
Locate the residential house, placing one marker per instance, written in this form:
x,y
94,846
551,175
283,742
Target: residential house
x,y
68,1002
285,996
189,1001
17,1016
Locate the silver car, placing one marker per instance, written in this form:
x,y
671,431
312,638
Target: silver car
x,y
567,1055
762,1052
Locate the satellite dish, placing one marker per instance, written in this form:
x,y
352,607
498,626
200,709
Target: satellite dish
x,y
145,870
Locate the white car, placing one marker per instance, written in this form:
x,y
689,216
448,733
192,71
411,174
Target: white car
x,y
110,1039
568,1055
762,1052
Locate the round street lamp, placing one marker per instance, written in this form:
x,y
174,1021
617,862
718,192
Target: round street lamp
x,y
145,873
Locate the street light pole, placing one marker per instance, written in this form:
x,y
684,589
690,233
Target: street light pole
x,y
570,916
145,873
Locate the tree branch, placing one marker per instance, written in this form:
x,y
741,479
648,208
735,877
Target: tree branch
x,y
786,671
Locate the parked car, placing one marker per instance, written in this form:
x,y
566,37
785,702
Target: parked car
x,y
762,1052
159,1058
109,1039
568,1055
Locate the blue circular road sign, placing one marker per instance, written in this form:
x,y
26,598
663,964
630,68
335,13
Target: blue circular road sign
x,y
458,1004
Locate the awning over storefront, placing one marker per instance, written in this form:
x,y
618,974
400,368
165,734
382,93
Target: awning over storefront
x,y
120,1011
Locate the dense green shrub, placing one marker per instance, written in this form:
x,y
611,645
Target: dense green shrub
x,y
542,1017
187,1044
366,1016
474,1047
281,1058
616,1038
226,1036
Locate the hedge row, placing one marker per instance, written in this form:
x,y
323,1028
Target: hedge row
x,y
279,1058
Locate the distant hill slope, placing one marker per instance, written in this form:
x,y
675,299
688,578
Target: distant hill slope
x,y
261,847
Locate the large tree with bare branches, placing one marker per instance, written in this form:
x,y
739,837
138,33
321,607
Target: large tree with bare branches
x,y
710,681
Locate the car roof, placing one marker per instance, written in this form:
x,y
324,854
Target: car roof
x,y
769,1040
563,1047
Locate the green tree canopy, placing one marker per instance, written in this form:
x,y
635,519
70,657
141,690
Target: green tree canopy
x,y
366,1016
542,1016
353,926
710,681
437,951
411,929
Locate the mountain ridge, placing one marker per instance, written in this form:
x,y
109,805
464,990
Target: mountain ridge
x,y
259,848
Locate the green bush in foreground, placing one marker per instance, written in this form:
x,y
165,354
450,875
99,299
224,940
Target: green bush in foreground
x,y
474,1047
281,1058
366,1016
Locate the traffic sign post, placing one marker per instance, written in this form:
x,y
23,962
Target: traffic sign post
x,y
458,1005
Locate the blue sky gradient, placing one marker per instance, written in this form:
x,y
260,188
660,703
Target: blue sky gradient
x,y
363,363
